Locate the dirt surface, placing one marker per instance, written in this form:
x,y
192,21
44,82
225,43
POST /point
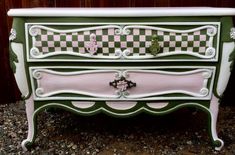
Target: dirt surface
x,y
60,132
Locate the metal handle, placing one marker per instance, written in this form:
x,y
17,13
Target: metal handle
x,y
122,84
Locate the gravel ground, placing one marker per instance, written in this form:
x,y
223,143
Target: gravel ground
x,y
60,132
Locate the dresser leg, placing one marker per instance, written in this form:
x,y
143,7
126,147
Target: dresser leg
x,y
29,103
214,109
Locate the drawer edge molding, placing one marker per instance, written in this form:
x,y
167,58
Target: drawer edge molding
x,y
34,54
44,90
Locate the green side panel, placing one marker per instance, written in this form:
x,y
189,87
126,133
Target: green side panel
x,y
18,25
226,25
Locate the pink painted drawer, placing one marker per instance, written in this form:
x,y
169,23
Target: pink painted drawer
x,y
122,83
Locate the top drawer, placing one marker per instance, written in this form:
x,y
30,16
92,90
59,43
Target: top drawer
x,y
173,41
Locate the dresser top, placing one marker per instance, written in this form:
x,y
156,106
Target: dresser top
x,y
122,12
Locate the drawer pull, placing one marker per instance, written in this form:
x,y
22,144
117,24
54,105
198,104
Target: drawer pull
x,y
155,46
92,46
122,84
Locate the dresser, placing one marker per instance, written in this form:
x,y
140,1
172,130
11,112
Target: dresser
x,y
122,61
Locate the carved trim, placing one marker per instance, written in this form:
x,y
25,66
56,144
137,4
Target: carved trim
x,y
12,34
13,57
232,33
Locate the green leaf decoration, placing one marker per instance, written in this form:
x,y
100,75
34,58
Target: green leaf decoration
x,y
13,59
154,48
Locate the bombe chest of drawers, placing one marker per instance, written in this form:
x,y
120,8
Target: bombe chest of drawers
x,y
122,61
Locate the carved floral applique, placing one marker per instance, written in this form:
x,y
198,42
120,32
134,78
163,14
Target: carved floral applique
x,y
232,55
92,46
12,34
122,85
154,48
12,56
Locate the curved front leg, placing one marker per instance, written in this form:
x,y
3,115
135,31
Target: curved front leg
x,y
29,103
214,109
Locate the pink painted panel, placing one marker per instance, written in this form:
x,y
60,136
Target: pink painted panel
x,y
96,83
156,82
121,105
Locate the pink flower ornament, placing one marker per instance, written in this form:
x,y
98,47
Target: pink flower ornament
x,y
92,46
122,85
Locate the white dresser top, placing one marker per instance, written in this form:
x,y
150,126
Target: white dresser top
x,y
122,12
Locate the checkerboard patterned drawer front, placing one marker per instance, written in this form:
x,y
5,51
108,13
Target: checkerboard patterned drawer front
x,y
123,41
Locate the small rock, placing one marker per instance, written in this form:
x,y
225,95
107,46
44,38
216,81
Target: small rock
x,y
74,147
70,145
189,142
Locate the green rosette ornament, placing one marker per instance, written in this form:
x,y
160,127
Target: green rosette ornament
x,y
155,47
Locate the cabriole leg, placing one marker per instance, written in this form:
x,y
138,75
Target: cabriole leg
x,y
214,109
29,103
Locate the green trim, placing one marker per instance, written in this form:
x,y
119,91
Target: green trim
x,y
12,59
100,105
226,25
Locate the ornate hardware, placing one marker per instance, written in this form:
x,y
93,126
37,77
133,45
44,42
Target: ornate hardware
x,y
154,48
92,46
122,84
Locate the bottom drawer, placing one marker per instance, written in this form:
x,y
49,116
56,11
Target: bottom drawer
x,y
122,83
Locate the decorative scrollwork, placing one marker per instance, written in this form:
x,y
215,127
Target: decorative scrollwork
x,y
37,74
118,53
126,53
34,52
210,51
33,31
39,91
204,91
211,31
126,31
122,31
207,74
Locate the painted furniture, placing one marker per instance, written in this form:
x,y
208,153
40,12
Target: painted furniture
x,y
122,61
